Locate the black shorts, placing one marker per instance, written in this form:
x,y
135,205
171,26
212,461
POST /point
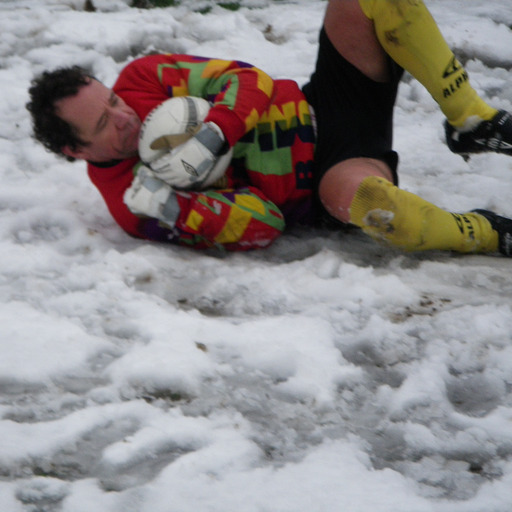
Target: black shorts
x,y
354,114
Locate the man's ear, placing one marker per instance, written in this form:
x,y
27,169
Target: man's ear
x,y
78,153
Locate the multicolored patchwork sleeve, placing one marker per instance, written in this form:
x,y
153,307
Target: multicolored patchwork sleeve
x,y
232,220
239,92
235,219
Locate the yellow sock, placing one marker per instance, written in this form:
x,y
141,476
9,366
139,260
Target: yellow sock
x,y
411,37
404,220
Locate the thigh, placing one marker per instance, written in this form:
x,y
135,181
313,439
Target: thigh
x,y
354,113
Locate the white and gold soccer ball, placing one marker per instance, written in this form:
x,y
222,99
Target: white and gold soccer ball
x,y
172,123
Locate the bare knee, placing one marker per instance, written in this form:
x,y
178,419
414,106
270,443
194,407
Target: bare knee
x,y
339,184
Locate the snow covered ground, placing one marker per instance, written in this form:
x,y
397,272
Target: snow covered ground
x,y
323,374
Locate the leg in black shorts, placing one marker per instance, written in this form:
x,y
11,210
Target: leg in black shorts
x,y
354,114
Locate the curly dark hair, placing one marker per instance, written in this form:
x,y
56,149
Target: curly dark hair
x,y
45,91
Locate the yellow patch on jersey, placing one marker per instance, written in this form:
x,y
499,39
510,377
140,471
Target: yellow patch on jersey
x,y
194,220
251,203
235,226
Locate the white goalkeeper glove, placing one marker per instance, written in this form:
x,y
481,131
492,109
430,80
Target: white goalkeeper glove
x,y
193,164
151,197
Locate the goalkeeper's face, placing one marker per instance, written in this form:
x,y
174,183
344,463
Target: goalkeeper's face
x,y
108,127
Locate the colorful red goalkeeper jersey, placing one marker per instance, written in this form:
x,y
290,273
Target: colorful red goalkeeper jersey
x,y
268,123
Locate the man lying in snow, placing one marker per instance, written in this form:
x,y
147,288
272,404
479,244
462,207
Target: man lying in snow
x,y
323,153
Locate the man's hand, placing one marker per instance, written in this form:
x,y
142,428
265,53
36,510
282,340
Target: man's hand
x,y
150,196
193,163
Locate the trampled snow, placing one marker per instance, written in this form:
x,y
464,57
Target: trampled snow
x,y
325,373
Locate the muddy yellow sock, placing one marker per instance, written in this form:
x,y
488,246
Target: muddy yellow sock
x,y
404,220
410,36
